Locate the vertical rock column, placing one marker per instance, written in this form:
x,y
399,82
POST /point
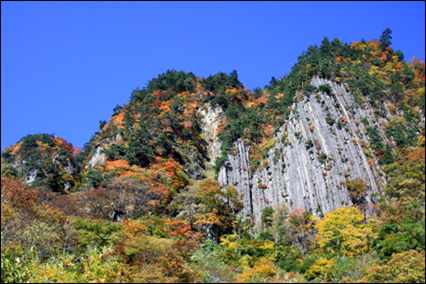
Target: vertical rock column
x,y
236,172
315,157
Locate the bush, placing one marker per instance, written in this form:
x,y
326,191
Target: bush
x,y
326,88
265,235
96,233
356,189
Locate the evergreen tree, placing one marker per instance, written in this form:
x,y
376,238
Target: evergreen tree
x,y
387,156
385,39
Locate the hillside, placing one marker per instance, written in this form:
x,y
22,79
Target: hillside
x,y
317,173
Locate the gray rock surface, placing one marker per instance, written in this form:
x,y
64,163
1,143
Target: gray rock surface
x,y
31,175
97,158
310,160
209,122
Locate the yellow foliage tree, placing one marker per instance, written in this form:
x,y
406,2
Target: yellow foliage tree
x,y
342,231
320,268
405,267
264,268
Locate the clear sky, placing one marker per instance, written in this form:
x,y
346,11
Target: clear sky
x,y
66,65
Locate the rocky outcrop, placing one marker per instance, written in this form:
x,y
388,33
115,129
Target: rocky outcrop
x,y
34,172
30,176
97,158
210,118
312,158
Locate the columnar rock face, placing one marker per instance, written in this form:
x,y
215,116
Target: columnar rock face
x,y
312,158
236,172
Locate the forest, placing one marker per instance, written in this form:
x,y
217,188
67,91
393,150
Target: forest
x,y
141,202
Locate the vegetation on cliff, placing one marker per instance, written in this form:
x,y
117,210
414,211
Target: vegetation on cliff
x,y
153,212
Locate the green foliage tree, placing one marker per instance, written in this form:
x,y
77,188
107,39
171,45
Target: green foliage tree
x,y
326,89
385,39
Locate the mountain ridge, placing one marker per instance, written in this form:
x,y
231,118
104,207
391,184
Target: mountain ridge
x,y
318,177
172,115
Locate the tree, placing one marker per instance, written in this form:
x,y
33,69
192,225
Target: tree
x,y
320,269
186,205
102,124
356,190
325,47
405,267
403,220
301,229
262,270
30,231
399,136
387,156
134,195
94,177
376,140
326,88
266,216
139,151
273,83
385,39
400,55
279,218
342,231
215,217
93,266
233,79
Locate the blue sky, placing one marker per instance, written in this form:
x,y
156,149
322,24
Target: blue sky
x,y
66,65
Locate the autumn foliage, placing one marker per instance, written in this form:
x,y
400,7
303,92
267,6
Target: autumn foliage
x,y
141,201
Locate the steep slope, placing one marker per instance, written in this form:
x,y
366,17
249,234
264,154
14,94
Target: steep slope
x,y
318,138
340,116
142,203
43,160
310,160
210,118
176,117
158,121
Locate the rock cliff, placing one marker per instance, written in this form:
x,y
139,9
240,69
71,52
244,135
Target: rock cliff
x,y
210,118
97,158
311,159
42,160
